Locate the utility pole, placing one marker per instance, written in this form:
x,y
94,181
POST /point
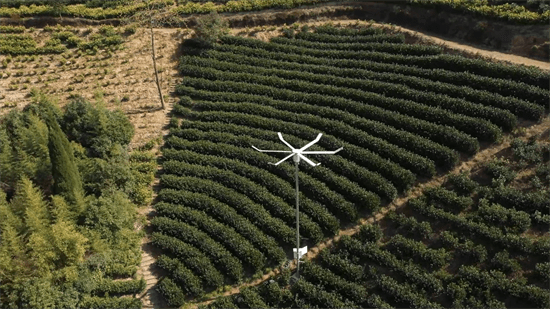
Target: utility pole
x,y
296,155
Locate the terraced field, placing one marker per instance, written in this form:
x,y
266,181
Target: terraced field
x,y
403,113
475,242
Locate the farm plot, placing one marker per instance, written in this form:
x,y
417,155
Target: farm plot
x,y
480,240
401,112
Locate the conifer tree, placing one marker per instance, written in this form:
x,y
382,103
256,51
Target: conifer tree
x,y
69,243
14,265
67,181
59,210
7,215
29,205
12,253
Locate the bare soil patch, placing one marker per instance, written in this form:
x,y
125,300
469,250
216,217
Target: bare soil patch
x,y
123,79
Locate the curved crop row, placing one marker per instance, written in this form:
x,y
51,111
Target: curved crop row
x,y
254,212
273,204
233,241
328,29
315,296
335,202
448,62
475,229
182,276
347,187
282,89
330,281
385,47
432,258
356,158
276,185
219,255
335,38
191,257
228,215
207,68
406,159
517,106
356,126
245,136
505,87
441,134
372,253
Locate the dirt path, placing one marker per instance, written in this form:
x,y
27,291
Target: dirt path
x,y
152,124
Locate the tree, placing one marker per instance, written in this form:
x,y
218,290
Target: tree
x,y
96,128
211,27
58,6
67,181
28,204
12,252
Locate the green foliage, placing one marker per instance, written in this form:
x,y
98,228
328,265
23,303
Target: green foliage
x,y
234,242
317,296
95,302
181,275
283,189
109,214
469,252
224,214
261,195
24,44
462,183
370,233
417,251
500,171
191,258
119,287
529,152
255,212
220,256
511,12
67,181
171,292
447,199
44,243
409,226
509,219
97,129
210,27
249,298
502,261
543,271
330,281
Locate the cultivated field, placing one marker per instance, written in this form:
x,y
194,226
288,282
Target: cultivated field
x,y
439,198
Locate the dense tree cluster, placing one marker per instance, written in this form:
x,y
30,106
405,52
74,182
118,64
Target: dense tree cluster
x,y
67,229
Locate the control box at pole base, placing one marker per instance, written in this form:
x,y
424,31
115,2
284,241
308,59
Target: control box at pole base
x,y
301,251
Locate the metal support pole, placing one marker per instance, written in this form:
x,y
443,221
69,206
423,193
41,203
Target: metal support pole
x,y
296,154
297,222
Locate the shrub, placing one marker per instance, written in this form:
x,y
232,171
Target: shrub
x,y
462,183
171,292
502,261
210,27
370,233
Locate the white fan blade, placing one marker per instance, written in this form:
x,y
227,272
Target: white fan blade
x,y
260,150
308,160
322,152
290,155
312,142
283,140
